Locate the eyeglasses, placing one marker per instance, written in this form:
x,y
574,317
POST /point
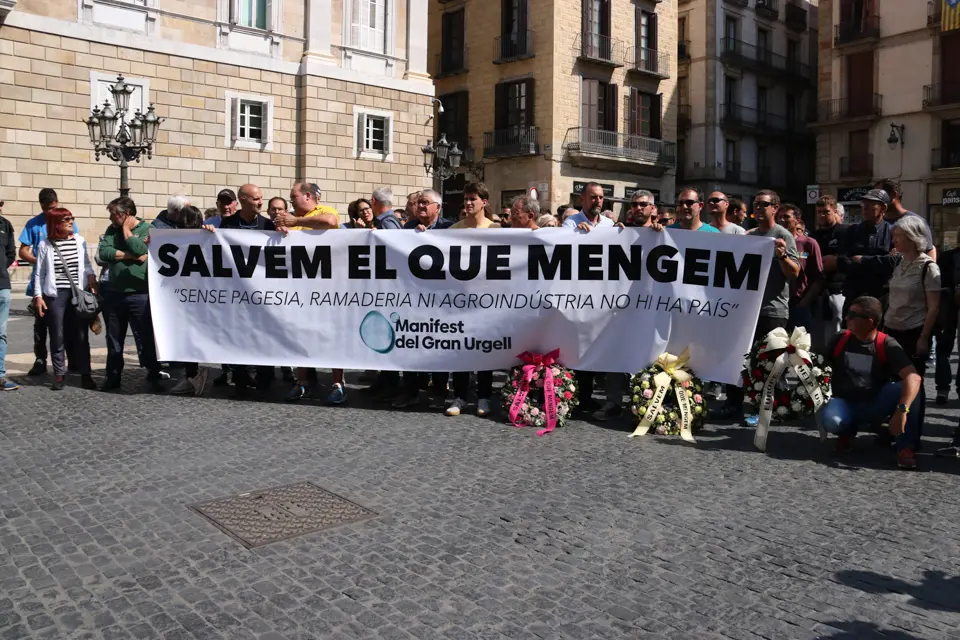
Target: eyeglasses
x,y
856,314
688,203
66,220
716,200
762,204
639,204
425,203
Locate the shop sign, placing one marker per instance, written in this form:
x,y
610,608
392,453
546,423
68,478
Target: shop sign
x,y
578,188
951,197
629,191
853,194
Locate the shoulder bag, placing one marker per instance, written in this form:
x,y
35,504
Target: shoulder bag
x,y
85,303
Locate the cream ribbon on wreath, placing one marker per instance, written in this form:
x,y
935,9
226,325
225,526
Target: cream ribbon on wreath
x,y
674,374
795,357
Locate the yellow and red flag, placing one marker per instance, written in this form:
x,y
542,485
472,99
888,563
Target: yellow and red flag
x,y
951,15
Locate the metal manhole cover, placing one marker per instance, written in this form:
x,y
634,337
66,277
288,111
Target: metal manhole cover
x,y
260,517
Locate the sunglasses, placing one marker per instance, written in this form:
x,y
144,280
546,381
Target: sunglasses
x,y
761,204
856,314
716,200
639,204
66,220
688,203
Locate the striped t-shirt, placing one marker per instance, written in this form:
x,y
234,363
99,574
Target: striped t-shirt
x,y
68,248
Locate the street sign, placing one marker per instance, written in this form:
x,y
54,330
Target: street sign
x,y
813,193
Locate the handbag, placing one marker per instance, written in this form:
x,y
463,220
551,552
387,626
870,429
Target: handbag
x,y
85,303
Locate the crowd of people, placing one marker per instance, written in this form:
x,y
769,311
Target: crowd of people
x,y
875,295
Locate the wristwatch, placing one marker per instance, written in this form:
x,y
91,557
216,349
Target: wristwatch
x,y
902,408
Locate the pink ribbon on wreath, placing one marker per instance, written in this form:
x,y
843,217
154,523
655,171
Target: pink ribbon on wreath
x,y
533,362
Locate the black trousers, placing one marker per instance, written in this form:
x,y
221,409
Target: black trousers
x,y
908,340
120,311
62,321
461,384
765,324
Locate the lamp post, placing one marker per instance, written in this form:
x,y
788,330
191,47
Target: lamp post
x,y
441,161
118,137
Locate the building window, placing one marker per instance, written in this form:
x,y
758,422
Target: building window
x,y
763,40
253,13
731,28
249,121
646,25
793,53
598,105
368,24
761,101
452,42
596,29
454,121
730,93
644,118
514,105
100,92
373,139
792,118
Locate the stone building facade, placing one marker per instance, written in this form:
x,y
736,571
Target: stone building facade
x,y
889,64
747,84
336,92
552,94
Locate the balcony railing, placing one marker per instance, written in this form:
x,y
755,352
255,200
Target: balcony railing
x,y
684,120
448,65
938,95
747,55
934,13
614,144
863,28
796,16
683,50
651,62
856,166
946,158
739,116
733,172
844,108
514,141
513,46
768,8
594,47
739,3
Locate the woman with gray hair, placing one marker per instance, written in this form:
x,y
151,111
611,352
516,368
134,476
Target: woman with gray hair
x,y
914,292
547,220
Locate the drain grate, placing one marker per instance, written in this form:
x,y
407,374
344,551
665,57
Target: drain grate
x,y
260,517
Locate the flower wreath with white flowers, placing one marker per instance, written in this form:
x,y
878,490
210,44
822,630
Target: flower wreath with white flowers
x,y
668,421
791,399
532,413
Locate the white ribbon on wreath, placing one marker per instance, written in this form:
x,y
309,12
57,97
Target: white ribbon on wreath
x,y
795,358
674,374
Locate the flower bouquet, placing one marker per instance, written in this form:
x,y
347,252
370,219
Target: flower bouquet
x,y
668,398
539,393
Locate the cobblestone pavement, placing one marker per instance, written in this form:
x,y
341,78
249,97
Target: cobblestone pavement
x,y
484,531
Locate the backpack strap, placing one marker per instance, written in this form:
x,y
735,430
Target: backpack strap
x,y
881,346
842,343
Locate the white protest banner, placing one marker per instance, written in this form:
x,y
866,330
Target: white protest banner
x,y
610,300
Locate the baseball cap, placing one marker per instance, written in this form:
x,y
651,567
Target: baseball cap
x,y
226,195
877,195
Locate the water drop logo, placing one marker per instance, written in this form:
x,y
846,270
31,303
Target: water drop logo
x,y
377,332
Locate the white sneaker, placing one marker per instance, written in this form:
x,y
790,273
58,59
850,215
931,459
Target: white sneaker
x,y
184,388
483,407
458,405
199,381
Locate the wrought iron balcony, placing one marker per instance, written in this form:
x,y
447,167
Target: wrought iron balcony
x,y
940,95
650,62
946,158
593,47
513,141
737,52
683,50
595,145
739,117
860,165
845,108
796,16
450,64
863,28
768,9
684,120
513,46
934,13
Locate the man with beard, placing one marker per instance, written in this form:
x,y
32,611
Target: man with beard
x,y
643,209
591,215
689,206
226,206
718,205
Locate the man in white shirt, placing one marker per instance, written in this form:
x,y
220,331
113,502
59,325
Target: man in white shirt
x,y
591,214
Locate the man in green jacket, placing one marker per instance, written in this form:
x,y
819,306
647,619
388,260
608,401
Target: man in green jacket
x,y
125,295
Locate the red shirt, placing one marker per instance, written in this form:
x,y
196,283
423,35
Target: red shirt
x,y
811,267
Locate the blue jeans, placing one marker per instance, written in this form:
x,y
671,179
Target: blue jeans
x,y
4,315
842,417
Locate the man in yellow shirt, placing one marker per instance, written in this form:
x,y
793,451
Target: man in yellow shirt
x,y
475,198
308,214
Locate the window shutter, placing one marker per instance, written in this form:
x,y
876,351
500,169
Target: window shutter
x,y
652,32
354,22
610,108
588,104
463,118
386,135
267,123
446,32
632,128
361,133
521,26
656,105
506,17
500,108
234,11
605,18
269,24
234,119
528,116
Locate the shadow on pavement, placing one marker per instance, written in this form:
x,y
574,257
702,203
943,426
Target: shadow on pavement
x,y
856,630
937,591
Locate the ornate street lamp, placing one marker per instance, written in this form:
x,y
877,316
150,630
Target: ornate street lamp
x,y
122,139
441,161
